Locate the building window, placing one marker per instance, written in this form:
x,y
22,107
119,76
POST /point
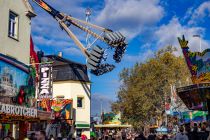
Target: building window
x,y
80,102
13,25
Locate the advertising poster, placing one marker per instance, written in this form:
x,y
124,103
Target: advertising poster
x,y
45,82
11,78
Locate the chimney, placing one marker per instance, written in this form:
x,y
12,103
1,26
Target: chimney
x,y
60,54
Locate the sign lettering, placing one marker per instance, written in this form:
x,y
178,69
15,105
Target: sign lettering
x,y
17,110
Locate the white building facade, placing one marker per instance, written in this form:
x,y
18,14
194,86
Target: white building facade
x,y
70,80
15,29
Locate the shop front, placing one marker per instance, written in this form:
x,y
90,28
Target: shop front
x,y
17,97
16,119
61,112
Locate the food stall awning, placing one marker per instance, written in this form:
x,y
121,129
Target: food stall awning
x,y
44,115
80,124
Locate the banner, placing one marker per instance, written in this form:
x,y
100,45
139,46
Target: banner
x,y
45,81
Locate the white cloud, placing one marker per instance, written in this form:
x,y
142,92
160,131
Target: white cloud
x,y
202,11
98,102
67,47
167,35
47,32
40,40
141,57
73,51
130,16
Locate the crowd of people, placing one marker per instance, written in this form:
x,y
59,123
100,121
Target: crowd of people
x,y
186,132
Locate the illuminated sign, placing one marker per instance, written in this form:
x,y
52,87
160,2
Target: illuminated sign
x,y
17,110
12,75
45,84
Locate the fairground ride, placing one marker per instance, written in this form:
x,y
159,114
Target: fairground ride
x,y
95,55
197,95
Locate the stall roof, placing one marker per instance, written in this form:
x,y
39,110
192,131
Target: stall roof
x,y
64,70
195,96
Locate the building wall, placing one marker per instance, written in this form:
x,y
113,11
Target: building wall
x,y
72,90
19,49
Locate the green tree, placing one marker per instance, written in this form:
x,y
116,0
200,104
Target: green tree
x,y
144,86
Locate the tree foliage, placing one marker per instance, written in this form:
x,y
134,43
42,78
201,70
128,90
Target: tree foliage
x,y
144,86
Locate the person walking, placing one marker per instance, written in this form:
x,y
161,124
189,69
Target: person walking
x,y
51,137
40,135
59,137
83,137
181,135
195,134
32,137
140,137
9,136
123,134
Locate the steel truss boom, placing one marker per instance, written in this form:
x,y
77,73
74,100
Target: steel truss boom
x,y
114,39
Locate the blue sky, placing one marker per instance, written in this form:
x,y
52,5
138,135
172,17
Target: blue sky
x,y
148,25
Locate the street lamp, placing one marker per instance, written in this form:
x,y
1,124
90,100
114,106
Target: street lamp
x,y
198,36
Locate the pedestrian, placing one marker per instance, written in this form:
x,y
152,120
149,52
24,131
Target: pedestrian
x,y
151,136
188,132
59,137
165,137
9,136
181,135
51,137
32,137
40,135
203,133
83,136
195,134
140,137
123,134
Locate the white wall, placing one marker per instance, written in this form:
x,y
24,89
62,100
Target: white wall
x,y
71,90
19,49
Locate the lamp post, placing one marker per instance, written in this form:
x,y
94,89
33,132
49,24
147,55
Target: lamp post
x,y
198,36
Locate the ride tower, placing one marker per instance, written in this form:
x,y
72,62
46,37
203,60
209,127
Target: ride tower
x,y
197,95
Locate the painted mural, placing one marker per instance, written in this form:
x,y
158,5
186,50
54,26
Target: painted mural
x,y
198,63
17,82
62,108
11,78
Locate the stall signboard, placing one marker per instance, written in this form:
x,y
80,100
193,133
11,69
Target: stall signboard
x,y
62,109
45,82
11,77
197,62
17,110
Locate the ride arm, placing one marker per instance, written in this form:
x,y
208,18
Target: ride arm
x,y
49,9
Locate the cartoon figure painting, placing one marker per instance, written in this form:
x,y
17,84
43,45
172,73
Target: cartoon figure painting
x,y
197,62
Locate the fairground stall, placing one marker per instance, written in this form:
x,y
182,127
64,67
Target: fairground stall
x,y
62,116
110,122
196,96
17,97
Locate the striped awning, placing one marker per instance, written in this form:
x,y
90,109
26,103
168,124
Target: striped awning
x,y
82,124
